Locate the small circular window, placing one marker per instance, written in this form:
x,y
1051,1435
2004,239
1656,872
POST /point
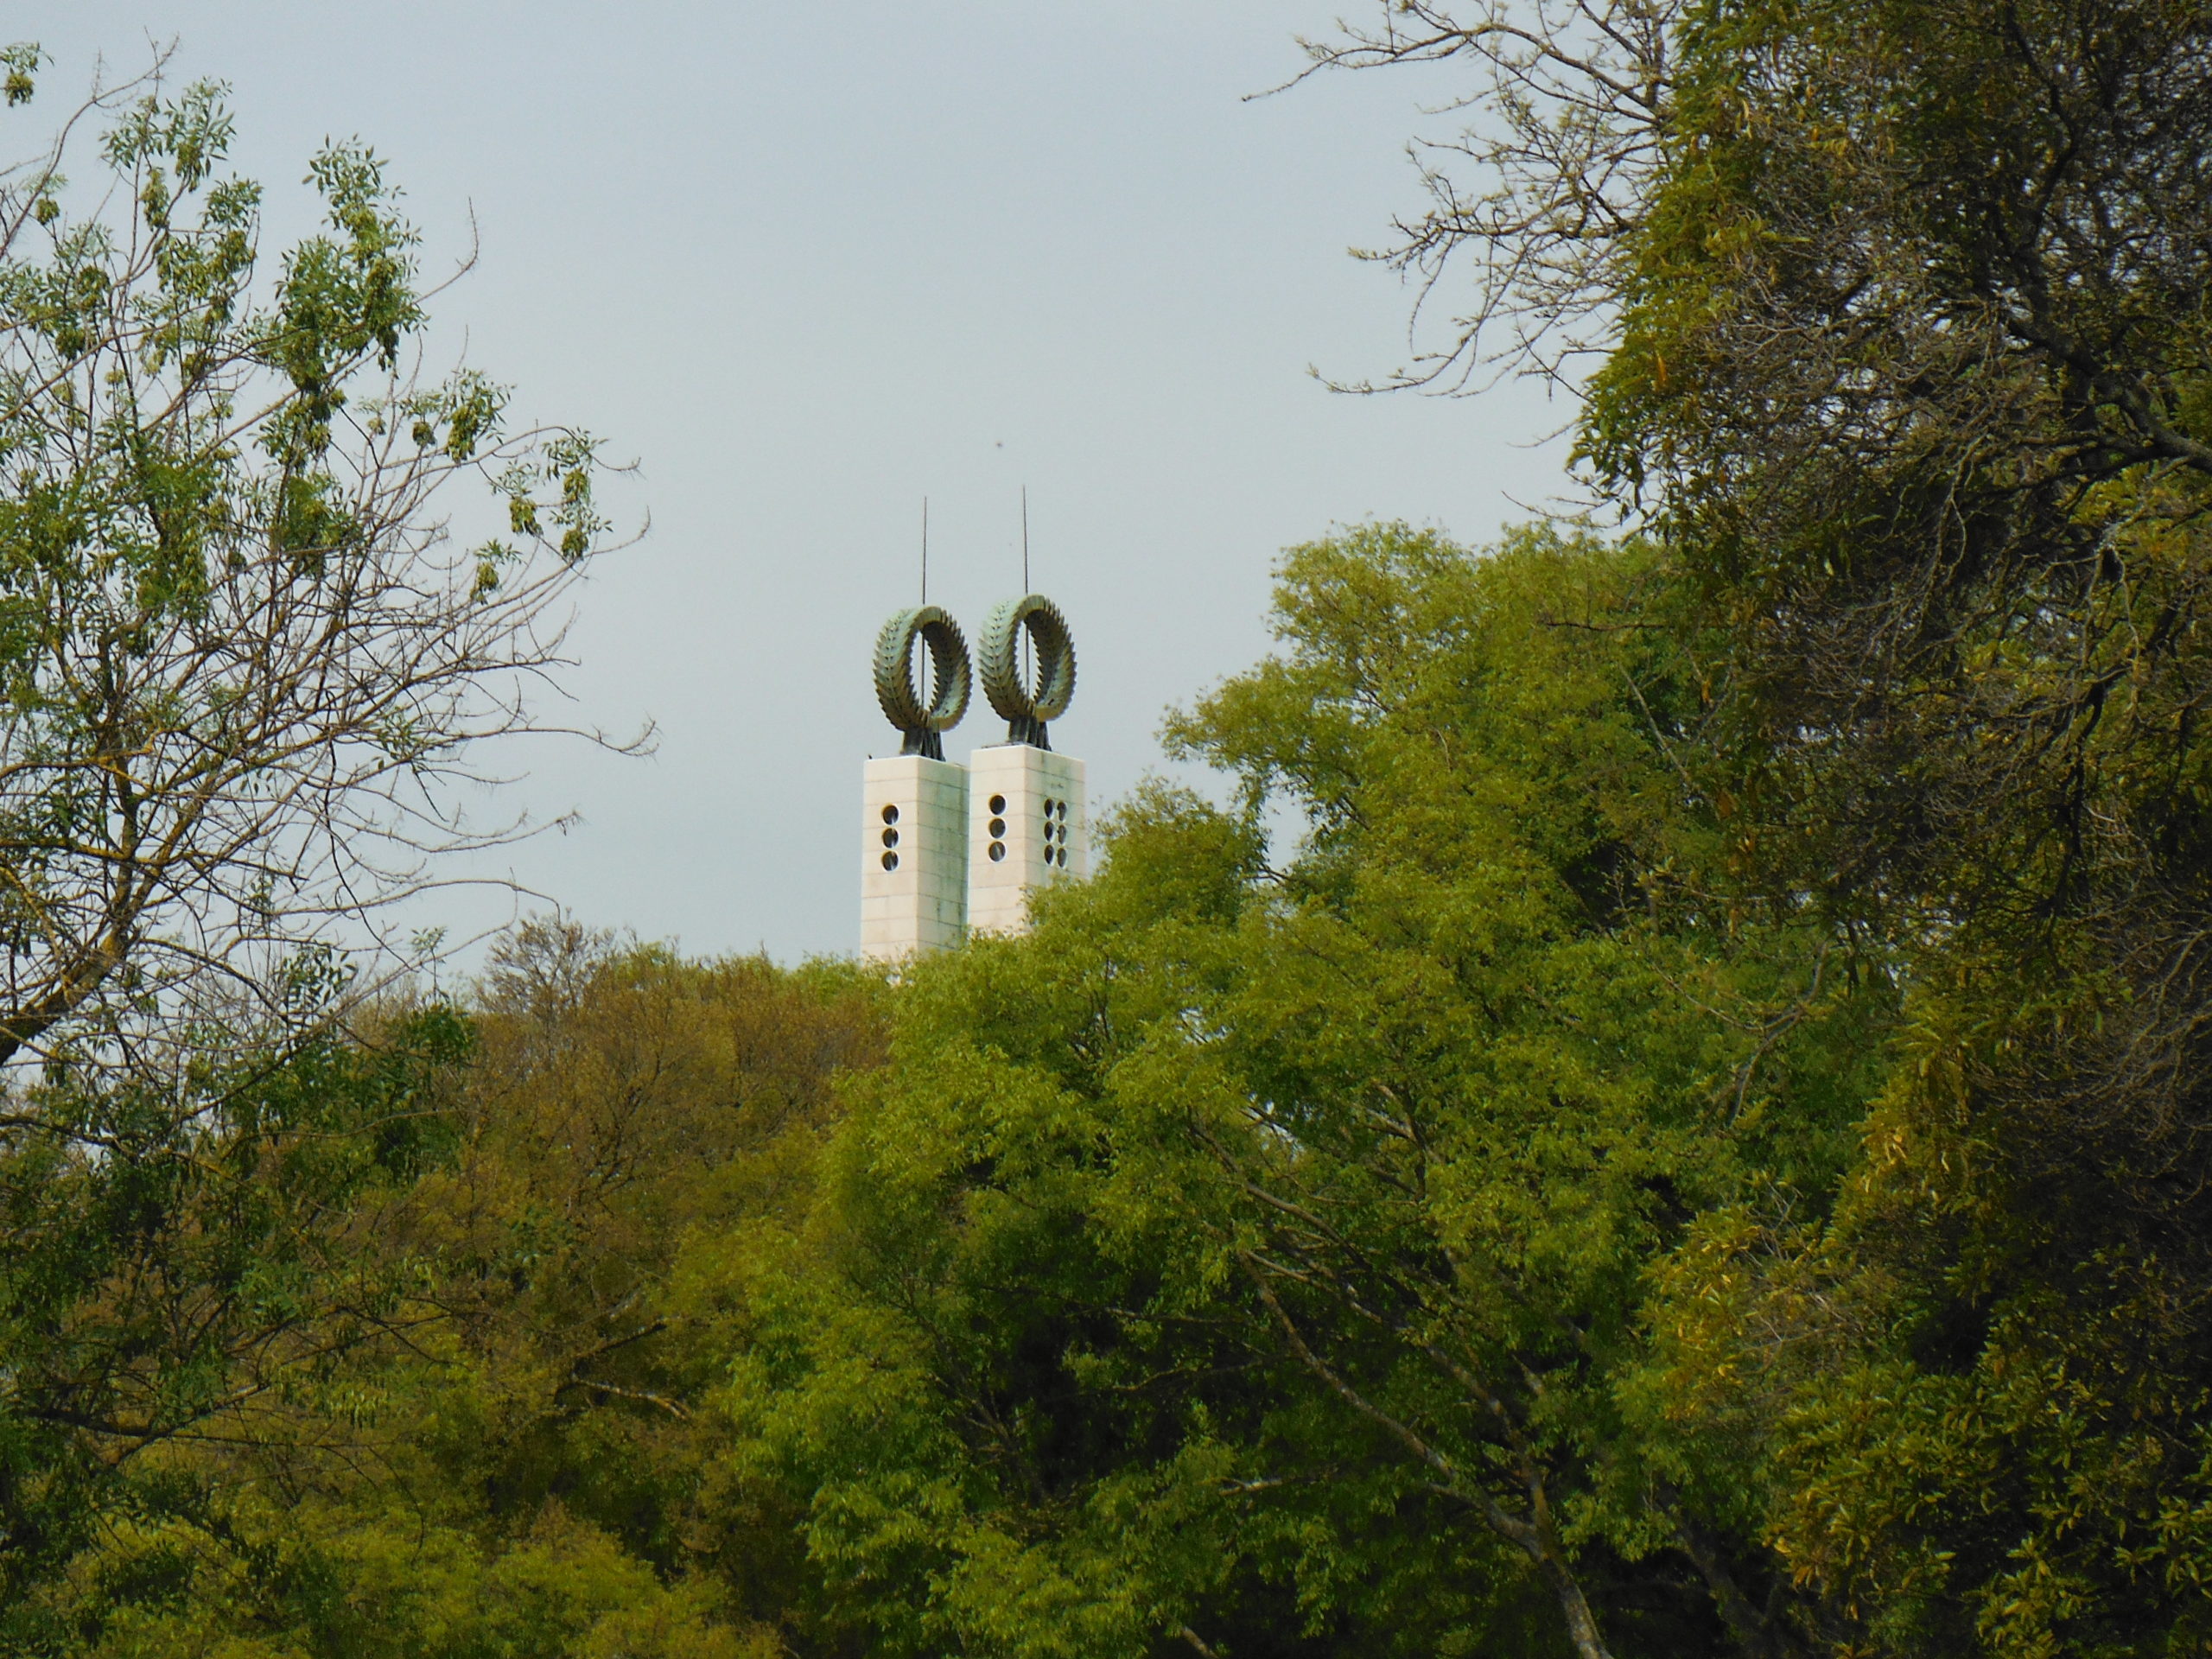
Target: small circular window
x,y
891,861
890,815
998,851
891,837
998,828
998,804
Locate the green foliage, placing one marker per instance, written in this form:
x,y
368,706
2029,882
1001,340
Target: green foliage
x,y
1696,1148
1907,380
1952,569
1501,1224
507,1455
236,660
234,643
178,1246
1263,1257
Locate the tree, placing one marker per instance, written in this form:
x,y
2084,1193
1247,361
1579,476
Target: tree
x,y
179,1252
1569,137
1902,314
242,666
244,660
1900,311
511,1452
1252,1261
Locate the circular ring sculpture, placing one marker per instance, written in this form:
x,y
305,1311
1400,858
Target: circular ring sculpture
x,y
923,722
1026,708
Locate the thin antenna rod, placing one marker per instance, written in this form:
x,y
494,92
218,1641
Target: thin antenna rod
x,y
1026,678
925,550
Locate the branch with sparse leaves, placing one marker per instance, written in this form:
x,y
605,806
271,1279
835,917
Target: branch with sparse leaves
x,y
246,649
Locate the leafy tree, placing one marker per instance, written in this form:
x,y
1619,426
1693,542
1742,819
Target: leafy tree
x,y
180,1252
244,662
1902,315
515,1461
1252,1261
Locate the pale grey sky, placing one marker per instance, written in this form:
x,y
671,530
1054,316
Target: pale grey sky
x,y
810,263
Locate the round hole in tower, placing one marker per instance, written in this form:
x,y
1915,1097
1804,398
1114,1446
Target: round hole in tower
x,y
998,804
998,827
1060,807
891,861
890,815
891,837
998,851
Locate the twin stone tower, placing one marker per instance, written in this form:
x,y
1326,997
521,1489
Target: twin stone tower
x,y
947,847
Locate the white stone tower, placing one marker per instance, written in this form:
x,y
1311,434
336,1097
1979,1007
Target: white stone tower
x,y
914,812
1028,817
1027,828
914,854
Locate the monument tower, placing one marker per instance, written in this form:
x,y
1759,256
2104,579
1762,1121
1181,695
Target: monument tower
x,y
945,848
1028,818
914,815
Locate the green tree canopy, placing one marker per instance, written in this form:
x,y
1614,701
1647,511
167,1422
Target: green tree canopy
x,y
1254,1261
1900,315
242,662
510,1454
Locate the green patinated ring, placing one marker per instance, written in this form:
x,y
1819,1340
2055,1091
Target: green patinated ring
x,y
894,681
1001,666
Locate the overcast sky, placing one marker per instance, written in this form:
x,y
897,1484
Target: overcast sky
x,y
808,264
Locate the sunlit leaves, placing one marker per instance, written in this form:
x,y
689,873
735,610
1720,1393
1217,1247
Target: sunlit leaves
x,y
19,63
1170,1232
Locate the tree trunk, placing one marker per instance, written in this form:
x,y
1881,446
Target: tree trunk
x,y
1582,1623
